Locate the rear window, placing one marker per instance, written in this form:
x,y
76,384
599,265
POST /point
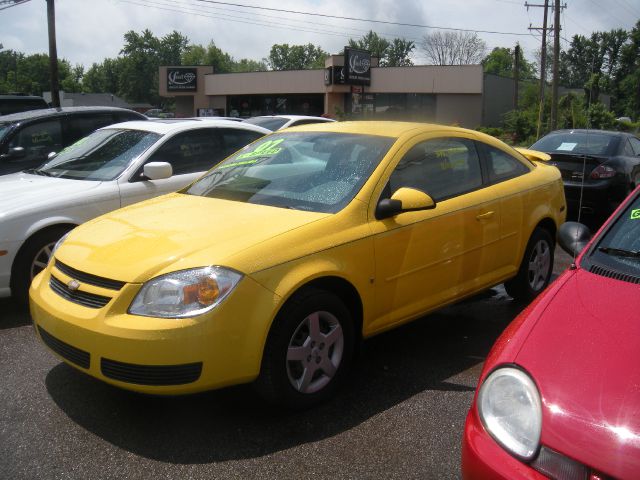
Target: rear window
x,y
584,143
271,123
15,105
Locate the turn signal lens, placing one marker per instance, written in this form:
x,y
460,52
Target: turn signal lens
x,y
185,293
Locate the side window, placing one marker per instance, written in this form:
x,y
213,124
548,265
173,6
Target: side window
x,y
82,125
190,152
127,117
234,139
635,146
39,139
502,166
442,168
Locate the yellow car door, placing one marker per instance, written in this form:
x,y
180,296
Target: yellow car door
x,y
425,259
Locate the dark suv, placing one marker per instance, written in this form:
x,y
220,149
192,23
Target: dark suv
x,y
20,103
28,138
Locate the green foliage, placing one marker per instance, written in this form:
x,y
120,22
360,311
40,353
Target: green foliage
x,y
501,62
522,125
247,65
29,74
296,57
211,55
373,42
600,118
395,53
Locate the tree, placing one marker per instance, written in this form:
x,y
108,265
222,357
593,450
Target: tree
x,y
501,61
453,48
627,78
377,45
247,65
172,47
211,55
296,57
395,53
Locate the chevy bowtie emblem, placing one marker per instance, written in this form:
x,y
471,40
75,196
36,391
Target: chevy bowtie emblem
x,y
73,285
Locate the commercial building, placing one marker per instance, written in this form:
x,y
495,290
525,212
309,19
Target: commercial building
x,y
442,94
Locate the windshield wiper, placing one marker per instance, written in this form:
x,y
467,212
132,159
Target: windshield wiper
x,y
36,171
619,252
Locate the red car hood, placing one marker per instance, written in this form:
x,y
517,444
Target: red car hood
x,y
584,354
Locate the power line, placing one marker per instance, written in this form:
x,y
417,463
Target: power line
x,y
368,20
236,19
14,3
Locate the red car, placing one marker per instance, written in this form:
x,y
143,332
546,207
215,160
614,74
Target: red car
x,y
559,394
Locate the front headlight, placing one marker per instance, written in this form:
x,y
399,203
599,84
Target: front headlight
x,y
186,293
58,243
510,409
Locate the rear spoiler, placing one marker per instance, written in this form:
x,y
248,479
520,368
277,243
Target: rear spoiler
x,y
533,155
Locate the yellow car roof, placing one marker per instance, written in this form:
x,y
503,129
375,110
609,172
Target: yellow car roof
x,y
386,129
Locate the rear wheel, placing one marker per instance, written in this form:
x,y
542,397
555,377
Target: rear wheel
x,y
536,267
308,352
32,259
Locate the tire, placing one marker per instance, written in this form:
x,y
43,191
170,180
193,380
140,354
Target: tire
x,y
309,350
536,267
32,259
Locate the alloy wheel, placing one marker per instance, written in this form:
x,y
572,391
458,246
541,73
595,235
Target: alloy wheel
x,y
315,352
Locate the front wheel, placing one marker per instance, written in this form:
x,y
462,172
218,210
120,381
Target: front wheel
x,y
536,267
32,259
308,352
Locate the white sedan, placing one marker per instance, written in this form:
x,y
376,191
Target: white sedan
x,y
111,168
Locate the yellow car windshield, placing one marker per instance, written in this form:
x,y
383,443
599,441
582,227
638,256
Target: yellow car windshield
x,y
314,171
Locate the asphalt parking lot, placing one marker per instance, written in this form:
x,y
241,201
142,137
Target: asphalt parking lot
x,y
401,416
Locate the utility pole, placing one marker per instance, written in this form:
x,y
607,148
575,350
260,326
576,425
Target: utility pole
x,y
516,75
556,61
53,54
543,63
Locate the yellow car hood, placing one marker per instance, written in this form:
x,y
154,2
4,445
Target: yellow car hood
x,y
175,232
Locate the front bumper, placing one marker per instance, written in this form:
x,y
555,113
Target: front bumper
x,y
483,458
155,355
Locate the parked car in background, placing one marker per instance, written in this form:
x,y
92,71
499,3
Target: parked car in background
x,y
279,122
158,113
274,265
20,103
559,394
27,139
599,168
113,167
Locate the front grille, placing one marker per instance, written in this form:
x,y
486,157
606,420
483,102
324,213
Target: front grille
x,y
605,272
86,299
66,351
89,278
151,374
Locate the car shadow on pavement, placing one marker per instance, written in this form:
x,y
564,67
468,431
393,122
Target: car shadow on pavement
x,y
234,423
13,314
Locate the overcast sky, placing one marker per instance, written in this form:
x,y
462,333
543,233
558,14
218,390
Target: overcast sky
x,y
89,31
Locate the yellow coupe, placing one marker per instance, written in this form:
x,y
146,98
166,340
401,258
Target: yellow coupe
x,y
275,264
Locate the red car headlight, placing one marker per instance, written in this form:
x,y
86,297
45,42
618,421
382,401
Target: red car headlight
x,y
510,409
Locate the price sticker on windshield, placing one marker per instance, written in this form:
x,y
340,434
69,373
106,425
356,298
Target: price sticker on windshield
x,y
635,214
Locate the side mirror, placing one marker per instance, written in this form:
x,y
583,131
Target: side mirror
x,y
17,152
157,170
573,237
404,200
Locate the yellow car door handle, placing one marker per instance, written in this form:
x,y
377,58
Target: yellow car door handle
x,y
485,216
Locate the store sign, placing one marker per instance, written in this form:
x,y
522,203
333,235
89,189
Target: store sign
x,y
182,80
334,76
357,66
